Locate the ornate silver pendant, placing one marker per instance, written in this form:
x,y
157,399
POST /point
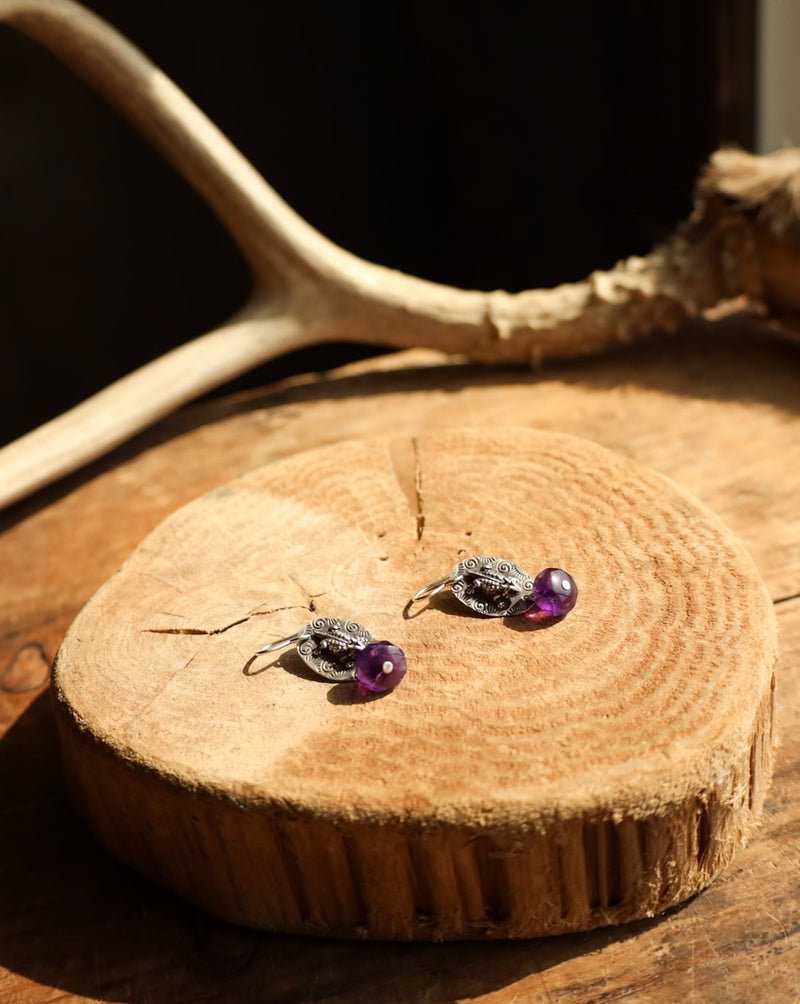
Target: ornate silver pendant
x,y
328,646
491,586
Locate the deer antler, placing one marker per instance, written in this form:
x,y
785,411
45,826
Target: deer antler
x,y
739,246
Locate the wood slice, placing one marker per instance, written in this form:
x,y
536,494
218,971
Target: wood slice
x,y
523,779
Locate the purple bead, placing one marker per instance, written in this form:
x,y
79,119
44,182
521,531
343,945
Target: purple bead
x,y
380,666
554,592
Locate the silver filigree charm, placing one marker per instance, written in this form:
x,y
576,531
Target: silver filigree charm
x,y
491,586
343,650
328,646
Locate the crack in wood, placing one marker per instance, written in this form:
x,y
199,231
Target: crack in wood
x,y
197,631
601,847
404,459
307,597
786,599
290,606
152,700
242,620
420,515
703,836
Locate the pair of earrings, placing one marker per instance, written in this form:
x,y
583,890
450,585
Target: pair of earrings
x,y
343,650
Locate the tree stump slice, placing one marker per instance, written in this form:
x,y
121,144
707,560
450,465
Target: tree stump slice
x,y
523,779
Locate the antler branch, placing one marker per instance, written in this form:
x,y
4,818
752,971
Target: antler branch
x,y
739,246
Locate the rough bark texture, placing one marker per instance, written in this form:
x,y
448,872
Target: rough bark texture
x,y
523,780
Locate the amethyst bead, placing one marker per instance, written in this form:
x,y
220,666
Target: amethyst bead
x,y
380,666
554,592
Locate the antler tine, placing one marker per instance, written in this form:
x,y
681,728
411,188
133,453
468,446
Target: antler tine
x,y
308,290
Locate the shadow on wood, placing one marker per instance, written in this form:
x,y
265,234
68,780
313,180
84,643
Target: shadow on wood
x,y
79,922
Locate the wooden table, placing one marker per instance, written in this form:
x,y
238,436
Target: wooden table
x,y
718,414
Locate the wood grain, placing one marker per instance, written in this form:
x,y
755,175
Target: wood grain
x,y
722,420
521,782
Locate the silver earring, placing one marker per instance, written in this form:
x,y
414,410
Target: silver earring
x,y
343,650
496,587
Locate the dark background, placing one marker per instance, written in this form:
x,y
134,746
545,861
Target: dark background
x,y
486,145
